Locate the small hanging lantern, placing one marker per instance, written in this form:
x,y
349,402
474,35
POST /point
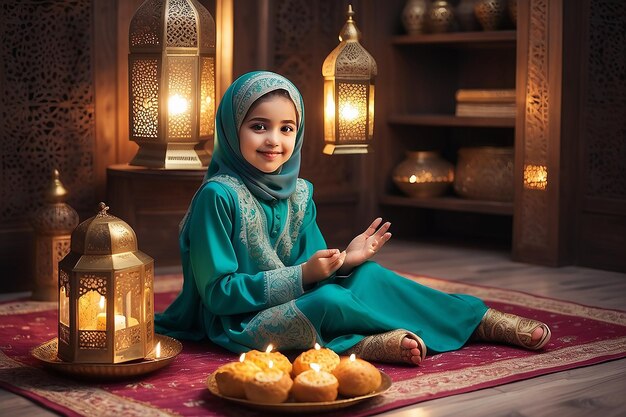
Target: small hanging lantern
x,y
349,72
171,72
106,301
53,224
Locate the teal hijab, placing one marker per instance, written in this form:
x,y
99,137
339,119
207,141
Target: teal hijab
x,y
227,158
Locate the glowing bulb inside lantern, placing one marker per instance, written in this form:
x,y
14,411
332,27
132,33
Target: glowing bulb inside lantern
x,y
242,357
353,357
157,352
349,112
316,367
177,105
269,348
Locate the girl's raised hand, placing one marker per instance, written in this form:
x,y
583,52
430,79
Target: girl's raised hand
x,y
321,264
365,245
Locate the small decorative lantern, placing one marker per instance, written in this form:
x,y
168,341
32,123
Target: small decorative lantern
x,y
106,301
53,224
171,72
349,72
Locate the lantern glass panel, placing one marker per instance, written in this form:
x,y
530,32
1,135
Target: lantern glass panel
x,y
370,117
127,299
352,111
144,93
181,76
207,96
91,311
64,299
329,110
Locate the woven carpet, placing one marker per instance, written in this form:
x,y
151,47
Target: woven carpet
x,y
581,335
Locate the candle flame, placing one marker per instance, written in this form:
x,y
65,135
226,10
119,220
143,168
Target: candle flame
x,y
177,105
316,367
270,364
101,303
158,350
242,357
317,346
353,357
269,348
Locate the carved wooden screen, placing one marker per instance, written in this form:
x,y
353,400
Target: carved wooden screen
x,y
47,104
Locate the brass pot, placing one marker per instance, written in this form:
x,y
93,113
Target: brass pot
x,y
485,173
423,174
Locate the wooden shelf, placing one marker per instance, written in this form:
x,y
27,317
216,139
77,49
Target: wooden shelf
x,y
458,38
450,120
450,203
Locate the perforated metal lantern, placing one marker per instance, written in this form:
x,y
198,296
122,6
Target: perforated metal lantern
x,y
171,72
106,301
53,223
349,72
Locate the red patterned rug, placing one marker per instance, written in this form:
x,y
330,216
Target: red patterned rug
x,y
581,335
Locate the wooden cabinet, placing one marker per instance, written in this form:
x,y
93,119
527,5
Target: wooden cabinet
x,y
153,202
424,74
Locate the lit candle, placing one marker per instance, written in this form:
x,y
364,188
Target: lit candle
x,y
315,385
356,377
261,359
324,357
230,378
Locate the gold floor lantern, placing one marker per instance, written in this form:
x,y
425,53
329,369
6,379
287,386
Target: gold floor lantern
x,y
53,224
349,72
106,301
171,72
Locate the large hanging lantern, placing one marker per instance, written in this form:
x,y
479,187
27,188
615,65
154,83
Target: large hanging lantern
x,y
106,300
349,72
171,72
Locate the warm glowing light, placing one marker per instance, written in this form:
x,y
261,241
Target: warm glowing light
x,y
535,177
157,353
353,357
348,112
316,367
269,348
329,108
242,357
270,364
317,346
101,303
412,179
177,105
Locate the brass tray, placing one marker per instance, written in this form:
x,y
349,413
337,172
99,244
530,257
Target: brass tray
x,y
303,407
46,354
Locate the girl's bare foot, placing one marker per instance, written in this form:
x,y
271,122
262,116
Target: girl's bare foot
x,y
410,351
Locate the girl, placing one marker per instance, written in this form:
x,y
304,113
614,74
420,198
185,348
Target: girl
x,y
256,267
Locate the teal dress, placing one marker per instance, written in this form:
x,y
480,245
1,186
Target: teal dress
x,y
242,289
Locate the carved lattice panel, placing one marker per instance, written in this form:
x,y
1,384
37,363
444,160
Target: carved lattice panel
x,y
46,104
533,230
605,106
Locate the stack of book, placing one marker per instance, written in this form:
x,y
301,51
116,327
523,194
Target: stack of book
x,y
485,103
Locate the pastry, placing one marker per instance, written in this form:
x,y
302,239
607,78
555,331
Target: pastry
x,y
325,358
269,386
356,377
315,386
262,360
230,378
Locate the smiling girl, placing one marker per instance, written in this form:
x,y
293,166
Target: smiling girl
x,y
257,270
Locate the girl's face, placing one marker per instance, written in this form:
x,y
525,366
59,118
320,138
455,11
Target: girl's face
x,y
267,135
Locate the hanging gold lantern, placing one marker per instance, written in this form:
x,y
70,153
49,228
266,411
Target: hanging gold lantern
x,y
349,72
106,301
171,72
53,224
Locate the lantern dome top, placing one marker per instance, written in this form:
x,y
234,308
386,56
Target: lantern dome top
x,y
103,234
350,59
158,25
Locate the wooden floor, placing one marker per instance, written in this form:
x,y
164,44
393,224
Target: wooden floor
x,y
598,390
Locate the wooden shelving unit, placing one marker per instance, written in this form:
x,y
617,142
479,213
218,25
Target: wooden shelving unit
x,y
424,73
